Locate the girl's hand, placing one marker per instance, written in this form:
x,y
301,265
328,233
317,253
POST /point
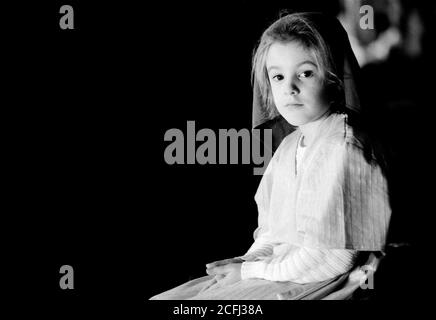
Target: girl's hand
x,y
233,269
227,274
223,262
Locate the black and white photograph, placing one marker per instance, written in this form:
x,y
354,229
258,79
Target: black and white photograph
x,y
212,160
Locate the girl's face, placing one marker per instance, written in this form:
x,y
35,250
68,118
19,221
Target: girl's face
x,y
296,83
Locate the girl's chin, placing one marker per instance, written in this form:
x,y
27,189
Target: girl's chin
x,y
294,121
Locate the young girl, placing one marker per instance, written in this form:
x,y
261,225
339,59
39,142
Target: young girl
x,y
323,199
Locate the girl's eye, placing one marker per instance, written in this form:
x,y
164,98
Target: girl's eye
x,y
306,74
278,77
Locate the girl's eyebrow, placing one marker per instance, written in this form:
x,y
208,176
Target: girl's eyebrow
x,y
301,63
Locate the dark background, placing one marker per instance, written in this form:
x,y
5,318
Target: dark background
x,y
89,185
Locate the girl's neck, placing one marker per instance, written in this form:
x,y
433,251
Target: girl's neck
x,y
309,129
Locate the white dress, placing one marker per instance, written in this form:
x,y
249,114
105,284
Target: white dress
x,y
336,201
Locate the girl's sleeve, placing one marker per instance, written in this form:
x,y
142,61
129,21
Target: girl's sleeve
x,y
262,246
301,265
344,200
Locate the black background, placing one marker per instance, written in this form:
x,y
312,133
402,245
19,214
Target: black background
x,y
89,110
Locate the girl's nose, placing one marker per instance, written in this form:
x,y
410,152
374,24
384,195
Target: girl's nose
x,y
293,88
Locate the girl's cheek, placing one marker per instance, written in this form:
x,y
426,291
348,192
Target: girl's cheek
x,y
276,91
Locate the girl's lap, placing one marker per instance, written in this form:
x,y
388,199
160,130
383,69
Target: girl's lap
x,y
206,288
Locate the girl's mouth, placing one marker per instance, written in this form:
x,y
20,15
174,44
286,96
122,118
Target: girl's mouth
x,y
293,105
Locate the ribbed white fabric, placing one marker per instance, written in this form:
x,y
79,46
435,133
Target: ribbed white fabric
x,y
339,199
259,249
285,262
299,264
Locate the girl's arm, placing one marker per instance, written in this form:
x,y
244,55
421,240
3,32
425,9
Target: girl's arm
x,y
260,248
301,265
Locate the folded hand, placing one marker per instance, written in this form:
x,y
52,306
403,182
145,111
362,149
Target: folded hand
x,y
226,274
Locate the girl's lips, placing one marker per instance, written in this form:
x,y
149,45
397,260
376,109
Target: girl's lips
x,y
293,105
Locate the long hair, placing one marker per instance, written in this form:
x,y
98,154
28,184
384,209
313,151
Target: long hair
x,y
325,37
299,27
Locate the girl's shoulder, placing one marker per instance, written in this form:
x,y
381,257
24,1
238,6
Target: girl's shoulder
x,y
340,132
286,146
289,141
290,138
354,142
334,133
